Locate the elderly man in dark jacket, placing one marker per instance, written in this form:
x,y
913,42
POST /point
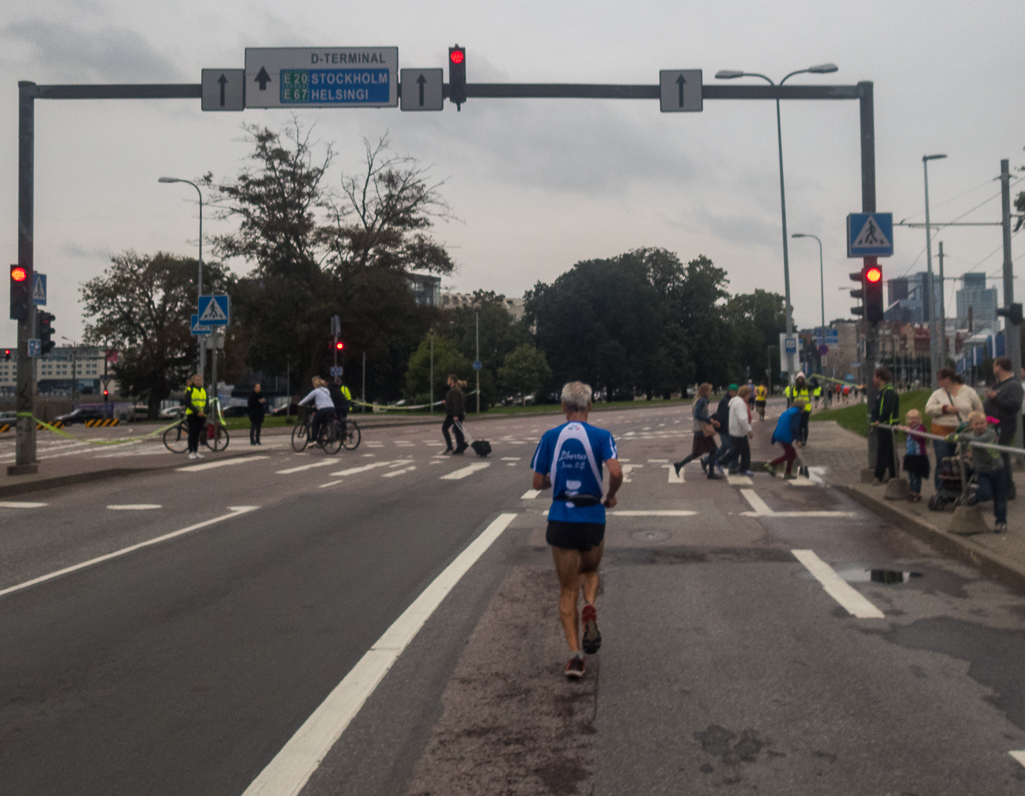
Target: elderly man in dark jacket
x,y
1004,403
256,412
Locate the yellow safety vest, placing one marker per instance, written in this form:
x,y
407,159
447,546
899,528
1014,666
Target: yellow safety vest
x,y
196,401
760,393
795,392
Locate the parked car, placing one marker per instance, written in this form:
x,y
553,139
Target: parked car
x,y
82,414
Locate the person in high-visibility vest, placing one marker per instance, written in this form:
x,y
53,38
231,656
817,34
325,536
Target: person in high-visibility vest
x,y
885,410
761,394
800,389
195,413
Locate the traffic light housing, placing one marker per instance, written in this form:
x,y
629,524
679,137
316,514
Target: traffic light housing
x,y
859,277
1012,313
874,308
21,292
46,332
7,355
457,75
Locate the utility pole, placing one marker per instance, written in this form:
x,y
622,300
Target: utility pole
x,y
1012,331
476,362
363,398
942,312
430,407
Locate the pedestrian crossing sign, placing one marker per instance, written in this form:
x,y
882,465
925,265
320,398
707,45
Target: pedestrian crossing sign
x,y
870,235
213,310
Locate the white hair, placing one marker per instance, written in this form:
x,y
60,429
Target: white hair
x,y
576,396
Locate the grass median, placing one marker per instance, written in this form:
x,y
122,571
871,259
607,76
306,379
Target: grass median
x,y
855,417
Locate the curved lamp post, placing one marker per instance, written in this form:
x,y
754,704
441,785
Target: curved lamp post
x,y
199,282
730,74
822,279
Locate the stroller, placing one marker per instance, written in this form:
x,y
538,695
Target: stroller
x,y
957,484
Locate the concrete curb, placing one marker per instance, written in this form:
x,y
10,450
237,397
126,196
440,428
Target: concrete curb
x,y
956,547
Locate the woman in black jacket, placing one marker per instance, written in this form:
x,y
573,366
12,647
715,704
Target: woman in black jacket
x,y
455,409
256,402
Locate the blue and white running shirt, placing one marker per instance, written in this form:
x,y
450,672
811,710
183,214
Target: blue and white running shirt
x,y
572,456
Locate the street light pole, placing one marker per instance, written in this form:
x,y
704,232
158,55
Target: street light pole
x,y
730,74
199,281
934,340
822,282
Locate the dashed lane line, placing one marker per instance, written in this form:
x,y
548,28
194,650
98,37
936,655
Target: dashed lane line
x,y
292,767
659,513
759,505
365,468
457,475
394,473
233,511
836,587
329,483
303,467
15,504
134,506
195,468
1019,756
511,458
627,469
530,494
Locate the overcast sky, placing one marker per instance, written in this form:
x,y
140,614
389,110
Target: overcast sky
x,y
537,185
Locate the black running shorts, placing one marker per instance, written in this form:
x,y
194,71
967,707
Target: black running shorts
x,y
580,536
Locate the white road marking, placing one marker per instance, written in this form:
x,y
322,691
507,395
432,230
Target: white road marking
x,y
818,475
799,514
799,481
1019,756
364,468
195,468
234,511
836,587
329,483
518,442
530,494
435,444
135,507
738,480
457,475
375,444
292,767
673,477
511,458
622,461
660,513
756,502
299,469
394,473
14,504
657,461
627,468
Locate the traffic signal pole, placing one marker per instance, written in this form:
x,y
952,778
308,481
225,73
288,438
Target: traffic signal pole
x,y
25,397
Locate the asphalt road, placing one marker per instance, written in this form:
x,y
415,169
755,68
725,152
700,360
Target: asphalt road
x,y
186,665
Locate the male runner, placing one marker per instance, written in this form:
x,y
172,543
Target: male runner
x,y
570,458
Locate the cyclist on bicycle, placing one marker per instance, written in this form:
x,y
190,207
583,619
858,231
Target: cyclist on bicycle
x,y
341,398
325,407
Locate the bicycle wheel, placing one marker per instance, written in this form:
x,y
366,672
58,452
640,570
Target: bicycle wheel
x,y
351,436
331,438
176,439
300,437
220,440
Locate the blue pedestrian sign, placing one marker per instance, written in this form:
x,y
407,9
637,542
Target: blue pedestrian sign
x,y
196,328
35,348
39,289
337,370
870,235
213,310
477,364
790,345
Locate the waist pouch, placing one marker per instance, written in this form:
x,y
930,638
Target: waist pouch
x,y
580,500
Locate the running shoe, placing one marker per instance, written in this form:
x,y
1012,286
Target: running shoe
x,y
769,469
592,636
1000,527
704,466
677,466
748,473
575,668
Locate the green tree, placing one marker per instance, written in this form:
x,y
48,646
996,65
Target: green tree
x,y
315,253
447,360
141,305
524,372
757,319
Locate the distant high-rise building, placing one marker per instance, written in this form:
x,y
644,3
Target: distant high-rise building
x,y
909,298
981,301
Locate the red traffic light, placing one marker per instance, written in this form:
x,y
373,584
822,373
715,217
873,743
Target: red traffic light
x,y
456,56
18,274
873,274
339,345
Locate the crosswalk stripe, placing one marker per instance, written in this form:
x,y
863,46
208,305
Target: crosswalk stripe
x,y
194,468
738,480
836,587
14,504
673,477
364,468
457,475
303,467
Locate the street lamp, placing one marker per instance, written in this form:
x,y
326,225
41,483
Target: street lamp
x,y
822,281
730,74
935,347
199,281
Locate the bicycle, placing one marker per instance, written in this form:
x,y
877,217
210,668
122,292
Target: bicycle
x,y
333,437
176,438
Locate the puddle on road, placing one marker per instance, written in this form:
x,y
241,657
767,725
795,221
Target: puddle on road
x,y
869,575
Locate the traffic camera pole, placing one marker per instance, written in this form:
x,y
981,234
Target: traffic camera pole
x,y
25,400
